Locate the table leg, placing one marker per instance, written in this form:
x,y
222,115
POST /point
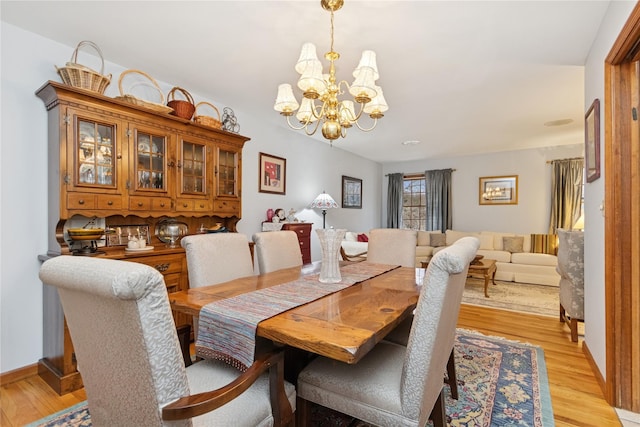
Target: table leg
x,y
486,283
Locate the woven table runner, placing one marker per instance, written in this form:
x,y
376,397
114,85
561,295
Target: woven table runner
x,y
227,328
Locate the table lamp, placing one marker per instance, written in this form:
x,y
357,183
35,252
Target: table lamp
x,y
324,202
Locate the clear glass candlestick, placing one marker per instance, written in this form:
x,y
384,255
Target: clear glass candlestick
x,y
330,241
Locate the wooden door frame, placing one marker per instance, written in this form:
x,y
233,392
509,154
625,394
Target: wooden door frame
x,y
622,218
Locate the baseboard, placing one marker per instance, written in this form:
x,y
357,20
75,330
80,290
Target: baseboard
x,y
18,374
595,369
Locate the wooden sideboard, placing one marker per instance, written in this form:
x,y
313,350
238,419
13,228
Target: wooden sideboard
x,y
303,231
120,162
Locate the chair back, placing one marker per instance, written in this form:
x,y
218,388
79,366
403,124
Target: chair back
x,y
216,258
571,269
392,246
277,250
124,337
434,327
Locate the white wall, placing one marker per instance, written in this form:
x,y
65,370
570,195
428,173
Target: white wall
x,y
27,63
530,215
594,310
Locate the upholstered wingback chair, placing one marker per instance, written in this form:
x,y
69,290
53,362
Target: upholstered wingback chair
x,y
129,357
395,385
277,250
392,246
571,269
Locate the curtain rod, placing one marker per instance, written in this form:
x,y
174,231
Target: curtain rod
x,y
416,173
559,160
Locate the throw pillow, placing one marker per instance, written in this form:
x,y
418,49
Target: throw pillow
x,y
513,244
363,238
437,239
351,236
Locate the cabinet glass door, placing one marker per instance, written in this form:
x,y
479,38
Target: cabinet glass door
x,y
151,152
96,148
227,173
193,168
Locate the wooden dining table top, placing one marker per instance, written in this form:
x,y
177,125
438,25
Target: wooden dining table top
x,y
343,326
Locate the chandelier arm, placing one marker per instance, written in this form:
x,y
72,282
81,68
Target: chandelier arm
x,y
315,128
375,122
292,126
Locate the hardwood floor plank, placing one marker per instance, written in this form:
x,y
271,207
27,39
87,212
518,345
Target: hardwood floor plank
x,y
575,394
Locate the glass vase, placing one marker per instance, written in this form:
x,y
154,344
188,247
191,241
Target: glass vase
x,y
330,241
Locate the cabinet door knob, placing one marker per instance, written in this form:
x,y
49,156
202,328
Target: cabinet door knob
x,y
171,164
81,202
140,204
162,204
110,202
185,205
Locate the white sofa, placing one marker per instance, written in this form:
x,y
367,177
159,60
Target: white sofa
x,y
518,265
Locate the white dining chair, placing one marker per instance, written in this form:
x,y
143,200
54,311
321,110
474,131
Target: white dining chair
x,y
392,246
395,385
276,250
128,354
216,258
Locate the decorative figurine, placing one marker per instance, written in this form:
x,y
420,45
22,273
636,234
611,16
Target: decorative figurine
x,y
279,215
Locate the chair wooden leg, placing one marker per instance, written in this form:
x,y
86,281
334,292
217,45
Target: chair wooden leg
x,y
562,313
184,335
438,413
573,325
452,380
303,412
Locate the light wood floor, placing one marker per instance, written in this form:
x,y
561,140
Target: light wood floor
x,y
576,396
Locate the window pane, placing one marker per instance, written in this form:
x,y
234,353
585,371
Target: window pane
x,y
414,204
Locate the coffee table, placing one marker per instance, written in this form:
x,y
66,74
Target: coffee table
x,y
483,267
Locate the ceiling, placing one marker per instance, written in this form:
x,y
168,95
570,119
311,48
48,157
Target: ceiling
x,y
460,77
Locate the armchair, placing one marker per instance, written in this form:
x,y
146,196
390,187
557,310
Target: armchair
x,y
571,270
128,353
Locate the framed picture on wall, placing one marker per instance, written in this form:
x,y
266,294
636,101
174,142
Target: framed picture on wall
x,y
272,174
498,190
592,141
351,192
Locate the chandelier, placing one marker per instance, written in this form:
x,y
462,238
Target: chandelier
x,y
335,115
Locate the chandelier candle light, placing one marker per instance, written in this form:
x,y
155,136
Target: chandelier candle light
x,y
324,202
336,116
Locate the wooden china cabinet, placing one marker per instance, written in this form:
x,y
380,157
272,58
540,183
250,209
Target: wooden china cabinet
x,y
124,164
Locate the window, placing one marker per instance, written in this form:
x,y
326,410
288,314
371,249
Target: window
x,y
414,200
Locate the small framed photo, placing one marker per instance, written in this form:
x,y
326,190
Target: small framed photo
x,y
592,141
272,174
351,192
499,190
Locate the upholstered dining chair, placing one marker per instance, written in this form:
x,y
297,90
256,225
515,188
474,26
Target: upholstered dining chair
x,y
128,354
571,269
400,335
392,246
216,258
395,385
277,250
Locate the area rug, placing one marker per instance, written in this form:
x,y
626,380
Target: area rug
x,y
513,296
500,383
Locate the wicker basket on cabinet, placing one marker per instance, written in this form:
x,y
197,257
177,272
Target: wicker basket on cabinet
x,y
78,75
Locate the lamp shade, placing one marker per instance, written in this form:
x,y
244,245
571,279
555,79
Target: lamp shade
x,y
324,201
285,101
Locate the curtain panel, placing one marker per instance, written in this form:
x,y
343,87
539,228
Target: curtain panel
x,y
438,199
566,193
394,200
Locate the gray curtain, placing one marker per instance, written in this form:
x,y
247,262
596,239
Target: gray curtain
x,y
566,193
394,200
438,193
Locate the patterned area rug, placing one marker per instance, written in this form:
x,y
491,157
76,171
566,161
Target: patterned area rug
x,y
521,297
500,383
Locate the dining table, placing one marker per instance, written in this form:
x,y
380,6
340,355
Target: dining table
x,y
343,325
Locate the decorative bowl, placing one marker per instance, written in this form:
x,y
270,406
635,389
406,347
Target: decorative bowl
x,y
170,231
